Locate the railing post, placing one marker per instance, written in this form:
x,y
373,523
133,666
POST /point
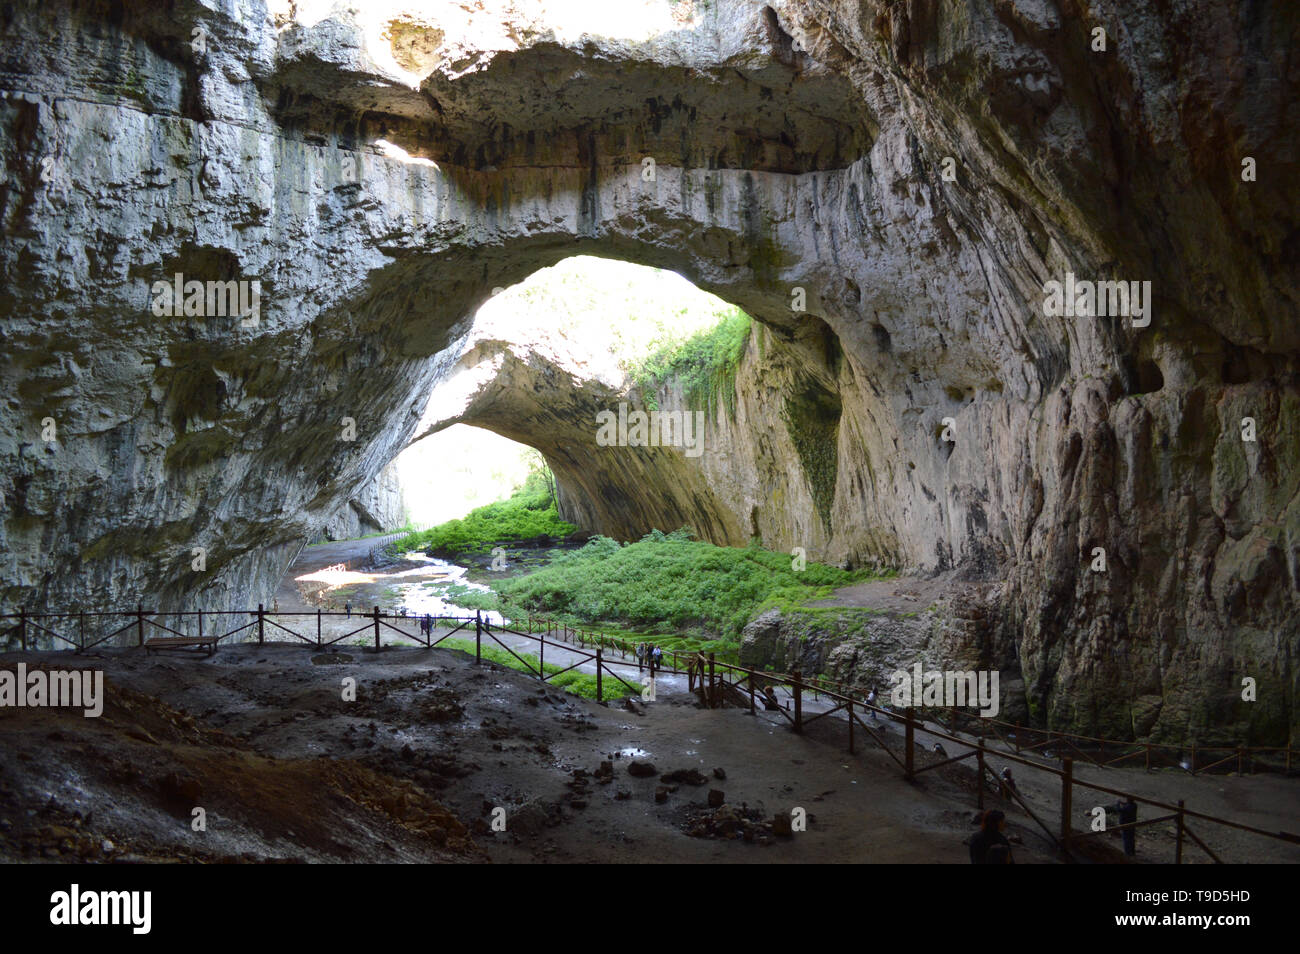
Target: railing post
x,y
1017,738
200,624
798,700
261,635
954,718
1241,760
139,624
81,631
851,752
909,735
541,662
1178,845
979,773
22,628
1193,760
600,691
752,709
1067,795
478,637
1148,756
713,685
318,637
376,629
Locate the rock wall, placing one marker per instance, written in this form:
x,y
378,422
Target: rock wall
x,y
379,172
379,507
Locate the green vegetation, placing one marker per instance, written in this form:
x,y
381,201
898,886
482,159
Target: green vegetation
x,y
579,683
704,593
812,419
528,514
705,365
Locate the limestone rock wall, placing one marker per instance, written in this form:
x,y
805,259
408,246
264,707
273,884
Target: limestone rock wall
x,y
378,507
379,181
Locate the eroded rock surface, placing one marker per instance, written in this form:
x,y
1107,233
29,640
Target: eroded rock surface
x,y
380,173
378,506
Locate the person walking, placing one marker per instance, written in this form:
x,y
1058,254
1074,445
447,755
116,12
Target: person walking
x,y
347,606
1128,815
992,826
657,660
871,701
1007,783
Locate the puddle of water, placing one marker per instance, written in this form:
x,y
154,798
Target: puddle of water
x,y
633,753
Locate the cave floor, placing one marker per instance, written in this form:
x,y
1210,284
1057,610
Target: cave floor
x,y
261,739
284,769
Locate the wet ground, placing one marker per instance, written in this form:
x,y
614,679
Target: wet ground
x,y
435,758
285,768
434,748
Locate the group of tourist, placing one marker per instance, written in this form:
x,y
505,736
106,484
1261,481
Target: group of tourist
x,y
990,846
647,654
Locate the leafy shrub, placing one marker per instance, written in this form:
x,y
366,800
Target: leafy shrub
x,y
705,365
670,579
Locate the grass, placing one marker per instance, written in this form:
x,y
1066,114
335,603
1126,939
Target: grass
x,y
574,682
578,683
702,594
528,514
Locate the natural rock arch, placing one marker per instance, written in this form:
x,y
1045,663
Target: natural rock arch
x,y
261,160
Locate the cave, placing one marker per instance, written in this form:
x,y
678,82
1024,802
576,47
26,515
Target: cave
x,y
887,189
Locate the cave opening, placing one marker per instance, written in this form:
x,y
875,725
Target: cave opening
x,y
539,364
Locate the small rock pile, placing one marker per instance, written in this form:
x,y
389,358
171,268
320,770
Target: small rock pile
x,y
731,823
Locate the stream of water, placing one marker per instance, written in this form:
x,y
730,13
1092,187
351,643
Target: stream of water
x,y
418,598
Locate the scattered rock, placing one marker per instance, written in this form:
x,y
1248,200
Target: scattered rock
x,y
686,776
716,797
639,769
529,818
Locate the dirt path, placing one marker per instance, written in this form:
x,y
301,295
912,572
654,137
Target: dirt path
x,y
900,594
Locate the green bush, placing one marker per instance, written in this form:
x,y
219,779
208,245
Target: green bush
x,y
705,365
674,581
